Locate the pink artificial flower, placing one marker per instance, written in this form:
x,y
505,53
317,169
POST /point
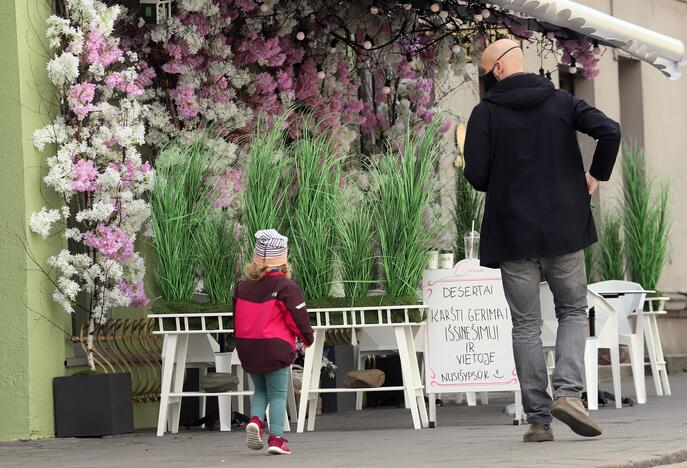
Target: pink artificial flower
x,y
145,75
135,291
100,50
185,98
80,97
111,242
230,185
85,175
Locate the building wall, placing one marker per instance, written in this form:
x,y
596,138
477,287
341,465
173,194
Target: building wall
x,y
650,108
14,374
31,325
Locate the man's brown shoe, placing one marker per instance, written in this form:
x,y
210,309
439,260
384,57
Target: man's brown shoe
x,y
572,412
538,433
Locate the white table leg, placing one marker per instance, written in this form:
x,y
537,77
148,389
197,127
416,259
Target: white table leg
x,y
169,346
178,381
359,366
418,389
661,361
305,386
223,364
637,362
318,346
483,398
290,402
518,409
406,371
472,398
203,400
432,410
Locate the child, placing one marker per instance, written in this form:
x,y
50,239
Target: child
x,y
269,313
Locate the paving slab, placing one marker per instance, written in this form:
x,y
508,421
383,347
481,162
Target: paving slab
x,y
654,434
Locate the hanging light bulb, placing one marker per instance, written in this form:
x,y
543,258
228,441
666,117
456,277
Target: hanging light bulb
x,y
387,87
300,35
320,73
407,6
456,49
332,46
486,13
541,72
596,50
367,45
443,14
478,17
374,9
264,7
435,8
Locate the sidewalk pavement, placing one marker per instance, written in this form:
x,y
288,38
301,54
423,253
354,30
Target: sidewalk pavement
x,y
654,434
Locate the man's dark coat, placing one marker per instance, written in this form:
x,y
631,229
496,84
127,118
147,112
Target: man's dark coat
x,y
521,148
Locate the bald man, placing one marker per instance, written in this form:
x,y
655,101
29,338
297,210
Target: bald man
x,y
521,149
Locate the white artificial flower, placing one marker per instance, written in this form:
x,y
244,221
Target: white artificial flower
x,y
62,262
93,274
57,132
63,69
58,297
61,173
100,211
193,5
56,28
135,213
42,221
68,287
112,270
97,70
73,234
135,268
193,40
109,179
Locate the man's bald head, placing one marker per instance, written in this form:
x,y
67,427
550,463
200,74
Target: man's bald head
x,y
505,57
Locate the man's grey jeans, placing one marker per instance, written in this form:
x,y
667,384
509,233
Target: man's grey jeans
x,y
568,282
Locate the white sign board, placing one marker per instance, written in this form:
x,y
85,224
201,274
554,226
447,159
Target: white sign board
x,y
468,344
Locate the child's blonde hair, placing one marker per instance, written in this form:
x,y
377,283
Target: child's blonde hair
x,y
256,271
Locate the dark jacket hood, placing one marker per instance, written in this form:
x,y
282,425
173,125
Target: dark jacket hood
x,y
522,91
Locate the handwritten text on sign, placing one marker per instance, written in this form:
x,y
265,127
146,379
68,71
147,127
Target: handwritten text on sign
x,y
468,331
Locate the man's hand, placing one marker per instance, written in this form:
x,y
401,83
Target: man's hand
x,y
592,184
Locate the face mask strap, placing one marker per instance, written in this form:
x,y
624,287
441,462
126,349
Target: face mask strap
x,y
500,57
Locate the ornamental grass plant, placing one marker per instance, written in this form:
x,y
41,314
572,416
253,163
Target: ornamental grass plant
x,y
468,207
356,230
265,190
405,187
611,262
646,218
219,252
178,206
313,209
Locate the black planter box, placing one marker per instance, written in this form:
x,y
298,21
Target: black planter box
x,y
93,405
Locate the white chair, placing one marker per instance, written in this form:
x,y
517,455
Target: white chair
x,y
626,306
606,326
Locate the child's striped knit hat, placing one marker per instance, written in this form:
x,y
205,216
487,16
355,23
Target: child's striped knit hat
x,y
271,248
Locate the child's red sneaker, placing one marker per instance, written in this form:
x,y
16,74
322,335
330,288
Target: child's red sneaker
x,y
254,433
278,446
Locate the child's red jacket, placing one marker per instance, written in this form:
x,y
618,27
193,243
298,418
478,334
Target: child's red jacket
x,y
268,316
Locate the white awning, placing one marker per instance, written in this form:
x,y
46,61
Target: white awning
x,y
661,51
